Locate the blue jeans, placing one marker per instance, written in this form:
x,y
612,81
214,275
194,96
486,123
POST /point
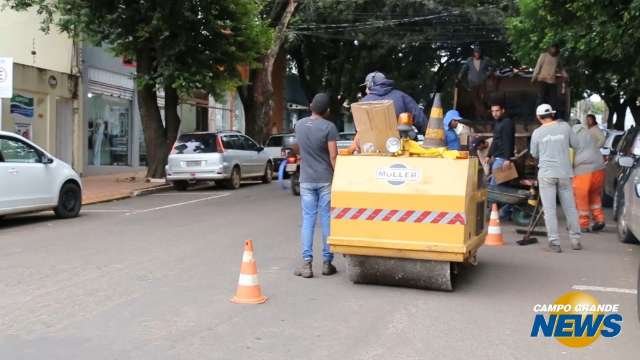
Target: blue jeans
x,y
316,199
505,210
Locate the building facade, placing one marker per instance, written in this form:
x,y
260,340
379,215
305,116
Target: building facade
x,y
45,106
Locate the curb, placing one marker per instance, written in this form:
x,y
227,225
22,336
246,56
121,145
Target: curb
x,y
134,193
100,201
153,190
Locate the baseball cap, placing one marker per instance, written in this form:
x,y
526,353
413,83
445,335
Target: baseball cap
x,y
373,78
545,109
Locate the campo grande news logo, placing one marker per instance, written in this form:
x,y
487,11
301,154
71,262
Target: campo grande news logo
x,y
576,319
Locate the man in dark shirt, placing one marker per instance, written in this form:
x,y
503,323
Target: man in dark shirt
x,y
476,70
502,147
504,135
316,140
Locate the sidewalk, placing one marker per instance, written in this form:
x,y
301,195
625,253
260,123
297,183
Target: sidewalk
x,y
103,188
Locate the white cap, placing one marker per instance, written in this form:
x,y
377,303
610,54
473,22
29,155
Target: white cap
x,y
544,109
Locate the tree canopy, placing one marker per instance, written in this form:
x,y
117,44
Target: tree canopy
x,y
599,45
418,43
179,46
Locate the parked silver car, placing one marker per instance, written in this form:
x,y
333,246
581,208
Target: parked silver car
x,y
226,157
628,204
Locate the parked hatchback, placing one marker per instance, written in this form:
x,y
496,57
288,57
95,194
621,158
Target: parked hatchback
x,y
226,157
33,180
627,208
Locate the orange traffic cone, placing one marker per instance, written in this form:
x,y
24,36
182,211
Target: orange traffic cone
x,y
248,287
494,233
434,135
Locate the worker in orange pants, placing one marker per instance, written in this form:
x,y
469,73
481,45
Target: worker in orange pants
x,y
588,191
588,168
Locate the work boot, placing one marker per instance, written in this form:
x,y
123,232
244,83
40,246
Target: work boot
x,y
555,248
597,227
328,268
575,245
305,270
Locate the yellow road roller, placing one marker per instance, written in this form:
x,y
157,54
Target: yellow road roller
x,y
407,220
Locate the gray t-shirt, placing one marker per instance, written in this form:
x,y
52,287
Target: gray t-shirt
x,y
312,136
588,157
550,145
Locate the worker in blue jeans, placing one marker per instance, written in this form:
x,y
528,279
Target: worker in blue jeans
x,y
316,143
502,147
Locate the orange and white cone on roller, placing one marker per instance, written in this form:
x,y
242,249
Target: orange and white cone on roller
x,y
248,291
494,232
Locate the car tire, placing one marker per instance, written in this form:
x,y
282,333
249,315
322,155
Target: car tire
x,y
268,174
234,181
624,234
181,185
618,203
69,201
295,183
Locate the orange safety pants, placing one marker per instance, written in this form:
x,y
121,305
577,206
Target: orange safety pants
x,y
588,192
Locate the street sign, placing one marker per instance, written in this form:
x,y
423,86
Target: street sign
x,y
6,77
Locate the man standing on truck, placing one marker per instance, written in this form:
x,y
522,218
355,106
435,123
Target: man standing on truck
x,y
546,73
502,147
550,144
477,70
381,88
316,140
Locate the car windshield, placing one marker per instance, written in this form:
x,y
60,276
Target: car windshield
x,y
281,141
195,144
346,136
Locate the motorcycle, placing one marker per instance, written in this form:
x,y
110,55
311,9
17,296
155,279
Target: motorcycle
x,y
291,166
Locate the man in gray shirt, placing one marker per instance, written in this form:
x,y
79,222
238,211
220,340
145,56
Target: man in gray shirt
x,y
550,145
316,140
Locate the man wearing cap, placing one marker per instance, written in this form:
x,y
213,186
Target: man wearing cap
x,y
316,142
550,144
477,70
381,88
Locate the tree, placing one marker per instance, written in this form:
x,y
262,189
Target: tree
x,y
179,46
420,44
257,95
600,46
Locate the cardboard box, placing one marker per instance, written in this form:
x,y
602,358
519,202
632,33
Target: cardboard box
x,y
504,174
375,122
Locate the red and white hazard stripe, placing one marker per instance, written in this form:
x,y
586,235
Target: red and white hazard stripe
x,y
405,216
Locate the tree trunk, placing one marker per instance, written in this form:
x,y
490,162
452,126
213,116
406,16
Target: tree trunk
x,y
616,108
154,132
171,120
635,109
259,108
621,114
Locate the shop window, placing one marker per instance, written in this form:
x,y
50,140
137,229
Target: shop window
x,y
108,131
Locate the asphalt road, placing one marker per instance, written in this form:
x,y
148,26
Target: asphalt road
x,y
151,278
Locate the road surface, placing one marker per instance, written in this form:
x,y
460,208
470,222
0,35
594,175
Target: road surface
x,y
151,278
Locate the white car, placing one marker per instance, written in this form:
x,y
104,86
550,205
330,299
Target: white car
x,y
33,180
273,147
